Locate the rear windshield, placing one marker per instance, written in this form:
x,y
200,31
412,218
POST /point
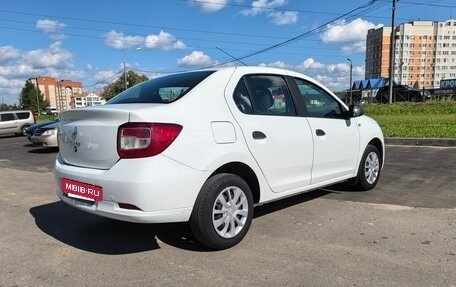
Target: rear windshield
x,y
165,89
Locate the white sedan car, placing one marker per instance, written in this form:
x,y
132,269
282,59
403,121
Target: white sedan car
x,y
207,146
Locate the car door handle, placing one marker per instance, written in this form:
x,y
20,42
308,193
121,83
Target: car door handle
x,y
320,133
257,135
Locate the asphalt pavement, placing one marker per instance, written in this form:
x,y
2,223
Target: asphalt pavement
x,y
402,233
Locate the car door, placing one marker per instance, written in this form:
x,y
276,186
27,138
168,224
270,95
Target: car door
x,y
8,123
335,138
279,140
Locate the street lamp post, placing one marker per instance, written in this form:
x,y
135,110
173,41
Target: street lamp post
x,y
351,74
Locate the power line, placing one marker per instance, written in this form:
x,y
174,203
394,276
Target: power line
x,y
293,39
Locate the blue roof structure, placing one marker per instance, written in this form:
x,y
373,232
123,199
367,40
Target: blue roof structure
x,y
374,83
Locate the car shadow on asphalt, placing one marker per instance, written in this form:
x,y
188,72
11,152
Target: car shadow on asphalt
x,y
44,150
96,234
289,202
100,235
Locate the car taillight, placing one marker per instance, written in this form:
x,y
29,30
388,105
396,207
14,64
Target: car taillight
x,y
136,140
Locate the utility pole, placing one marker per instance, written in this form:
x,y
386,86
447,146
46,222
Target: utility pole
x,y
37,96
391,64
351,73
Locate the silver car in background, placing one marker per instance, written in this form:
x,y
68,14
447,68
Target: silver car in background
x,y
46,136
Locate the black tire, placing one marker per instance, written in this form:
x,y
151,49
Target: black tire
x,y
207,212
24,130
369,169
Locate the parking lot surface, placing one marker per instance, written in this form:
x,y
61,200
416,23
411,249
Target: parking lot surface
x,y
402,233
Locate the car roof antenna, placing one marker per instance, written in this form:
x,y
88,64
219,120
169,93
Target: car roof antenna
x,y
239,60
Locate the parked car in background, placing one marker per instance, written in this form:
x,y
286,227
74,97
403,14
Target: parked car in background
x,y
401,93
46,136
16,122
204,147
31,129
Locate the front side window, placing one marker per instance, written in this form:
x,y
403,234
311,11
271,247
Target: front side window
x,y
161,90
318,102
264,95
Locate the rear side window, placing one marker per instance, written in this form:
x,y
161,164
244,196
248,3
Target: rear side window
x,y
161,90
23,115
265,95
7,117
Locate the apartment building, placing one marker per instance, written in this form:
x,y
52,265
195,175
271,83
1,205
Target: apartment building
x,y
425,53
60,94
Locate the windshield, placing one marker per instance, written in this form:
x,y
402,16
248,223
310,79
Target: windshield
x,y
161,90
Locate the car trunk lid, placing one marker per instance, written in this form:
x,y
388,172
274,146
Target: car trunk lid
x,y
88,137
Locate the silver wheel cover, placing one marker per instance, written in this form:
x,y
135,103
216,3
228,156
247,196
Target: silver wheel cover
x,y
230,211
371,167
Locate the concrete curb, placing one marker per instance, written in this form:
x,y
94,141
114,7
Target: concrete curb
x,y
444,142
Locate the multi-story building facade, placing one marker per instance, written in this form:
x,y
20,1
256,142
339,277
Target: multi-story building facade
x,y
88,100
425,53
60,94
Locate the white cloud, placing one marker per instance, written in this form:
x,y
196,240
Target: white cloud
x,y
10,89
356,47
163,41
55,56
277,64
105,75
51,28
334,76
118,40
262,6
352,35
209,6
195,59
266,7
343,32
8,53
340,68
284,18
18,71
310,64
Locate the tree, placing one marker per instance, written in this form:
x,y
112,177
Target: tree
x,y
118,86
416,85
28,98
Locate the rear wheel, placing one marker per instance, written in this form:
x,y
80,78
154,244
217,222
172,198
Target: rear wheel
x,y
24,130
369,169
223,211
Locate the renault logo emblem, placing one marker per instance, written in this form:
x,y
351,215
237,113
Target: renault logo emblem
x,y
74,135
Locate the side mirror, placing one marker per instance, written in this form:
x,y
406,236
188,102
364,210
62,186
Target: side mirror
x,y
355,111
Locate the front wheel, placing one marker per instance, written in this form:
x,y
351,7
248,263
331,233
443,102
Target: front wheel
x,y
223,211
369,169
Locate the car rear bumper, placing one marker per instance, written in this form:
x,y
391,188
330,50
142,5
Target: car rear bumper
x,y
162,189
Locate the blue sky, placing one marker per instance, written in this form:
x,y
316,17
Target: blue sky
x,y
89,41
